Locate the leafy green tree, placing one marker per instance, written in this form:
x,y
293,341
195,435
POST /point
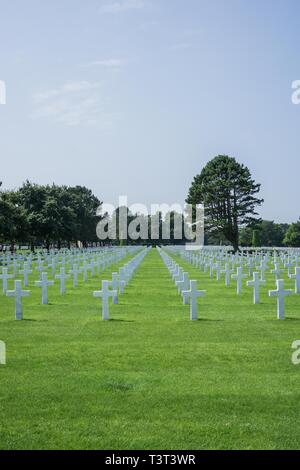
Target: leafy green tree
x,y
45,213
13,223
59,214
32,198
245,237
84,204
228,193
256,242
292,237
271,233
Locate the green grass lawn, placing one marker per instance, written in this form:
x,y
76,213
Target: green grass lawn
x,y
150,378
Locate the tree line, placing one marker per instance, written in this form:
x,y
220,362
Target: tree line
x,y
52,215
45,215
62,216
230,197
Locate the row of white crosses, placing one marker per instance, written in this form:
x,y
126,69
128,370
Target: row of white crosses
x,y
91,260
44,282
186,287
118,283
212,260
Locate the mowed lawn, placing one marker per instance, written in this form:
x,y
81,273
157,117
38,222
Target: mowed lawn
x,y
150,378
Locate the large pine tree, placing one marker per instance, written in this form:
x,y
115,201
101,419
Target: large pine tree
x,y
228,192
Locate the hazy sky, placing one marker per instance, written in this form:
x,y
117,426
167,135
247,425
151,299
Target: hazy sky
x,y
134,96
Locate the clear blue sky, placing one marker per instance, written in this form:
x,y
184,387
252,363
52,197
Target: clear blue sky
x,y
135,96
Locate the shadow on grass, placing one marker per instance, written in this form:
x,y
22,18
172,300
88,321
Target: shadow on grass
x,y
33,319
209,319
119,319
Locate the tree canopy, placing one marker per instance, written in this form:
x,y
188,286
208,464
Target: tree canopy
x,y
270,234
292,237
228,193
47,214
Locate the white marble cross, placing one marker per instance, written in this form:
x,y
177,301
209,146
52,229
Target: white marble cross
x,y
217,268
105,294
256,283
211,266
192,294
25,271
296,276
5,277
277,271
124,275
92,267
75,271
238,277
280,293
62,277
251,266
290,264
40,268
44,284
184,283
117,284
227,271
18,293
52,265
100,266
175,271
178,276
85,268
262,268
15,267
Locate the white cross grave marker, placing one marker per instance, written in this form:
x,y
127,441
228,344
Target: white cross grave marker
x,y
18,293
44,284
262,268
75,271
256,283
62,277
85,269
296,276
227,271
5,277
117,284
25,271
184,283
238,277
280,293
192,294
290,264
277,271
217,268
105,294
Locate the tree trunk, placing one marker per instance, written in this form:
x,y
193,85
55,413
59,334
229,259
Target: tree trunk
x,y
235,244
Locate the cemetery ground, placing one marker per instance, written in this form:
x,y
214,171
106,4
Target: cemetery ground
x,y
150,378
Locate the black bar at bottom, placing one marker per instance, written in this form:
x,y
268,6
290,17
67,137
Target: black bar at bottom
x,y
156,458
